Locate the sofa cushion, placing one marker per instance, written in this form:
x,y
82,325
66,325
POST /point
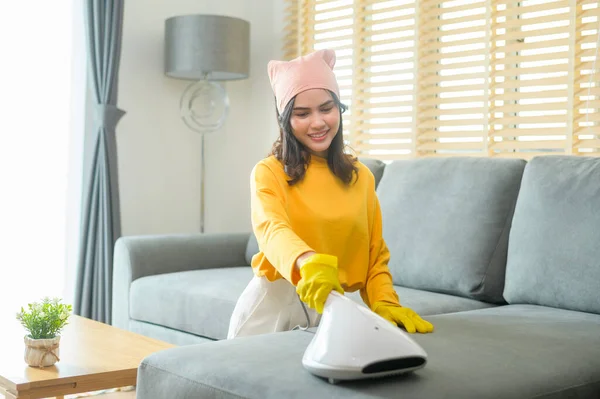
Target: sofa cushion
x,y
519,351
375,166
199,302
174,337
427,303
446,223
252,248
554,246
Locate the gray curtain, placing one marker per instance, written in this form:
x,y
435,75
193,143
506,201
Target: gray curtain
x,y
101,214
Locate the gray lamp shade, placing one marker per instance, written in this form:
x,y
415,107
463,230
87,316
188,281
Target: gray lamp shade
x,y
197,45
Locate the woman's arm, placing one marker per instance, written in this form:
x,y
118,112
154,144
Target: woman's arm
x,y
281,246
302,258
379,286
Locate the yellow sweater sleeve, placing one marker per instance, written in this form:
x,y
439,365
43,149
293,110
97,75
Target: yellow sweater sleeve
x,y
379,285
271,224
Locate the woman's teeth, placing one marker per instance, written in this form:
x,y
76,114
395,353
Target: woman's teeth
x,y
318,135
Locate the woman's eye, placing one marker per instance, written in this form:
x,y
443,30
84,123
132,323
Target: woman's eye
x,y
302,115
326,109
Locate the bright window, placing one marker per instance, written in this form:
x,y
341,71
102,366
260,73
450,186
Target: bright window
x,y
39,204
499,78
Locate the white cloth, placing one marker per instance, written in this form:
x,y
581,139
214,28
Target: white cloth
x,y
269,306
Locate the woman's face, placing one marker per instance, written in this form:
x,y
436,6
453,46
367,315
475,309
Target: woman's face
x,y
315,120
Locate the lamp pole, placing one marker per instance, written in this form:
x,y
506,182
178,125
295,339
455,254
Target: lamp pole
x,y
204,106
202,183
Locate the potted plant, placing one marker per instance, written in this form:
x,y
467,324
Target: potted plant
x,y
43,322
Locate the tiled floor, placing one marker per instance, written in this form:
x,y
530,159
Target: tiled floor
x,y
115,395
127,393
111,395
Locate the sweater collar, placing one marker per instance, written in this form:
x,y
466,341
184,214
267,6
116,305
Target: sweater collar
x,y
316,160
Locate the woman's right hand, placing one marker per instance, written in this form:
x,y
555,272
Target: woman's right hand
x,y
302,258
319,276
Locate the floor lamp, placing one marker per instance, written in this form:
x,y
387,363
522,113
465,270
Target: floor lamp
x,y
206,49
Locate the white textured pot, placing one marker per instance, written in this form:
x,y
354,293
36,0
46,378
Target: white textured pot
x,y
41,352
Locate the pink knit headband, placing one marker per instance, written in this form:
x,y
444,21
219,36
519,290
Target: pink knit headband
x,y
312,71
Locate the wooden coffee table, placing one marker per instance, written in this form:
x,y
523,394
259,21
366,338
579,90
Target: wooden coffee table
x,y
93,356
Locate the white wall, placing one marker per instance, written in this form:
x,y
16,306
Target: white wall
x,y
159,157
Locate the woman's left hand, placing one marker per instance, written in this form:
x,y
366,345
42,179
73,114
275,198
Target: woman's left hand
x,y
402,317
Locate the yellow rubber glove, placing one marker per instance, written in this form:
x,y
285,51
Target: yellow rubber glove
x,y
402,316
319,276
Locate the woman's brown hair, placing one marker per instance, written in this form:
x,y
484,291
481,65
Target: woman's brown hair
x,y
295,158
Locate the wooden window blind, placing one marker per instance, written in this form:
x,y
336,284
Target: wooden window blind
x,y
495,78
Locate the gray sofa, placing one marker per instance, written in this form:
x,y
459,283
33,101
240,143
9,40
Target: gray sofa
x,y
502,256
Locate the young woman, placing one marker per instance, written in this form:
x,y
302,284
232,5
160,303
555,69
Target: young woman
x,y
315,213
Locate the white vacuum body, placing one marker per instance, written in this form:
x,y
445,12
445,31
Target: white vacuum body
x,y
352,342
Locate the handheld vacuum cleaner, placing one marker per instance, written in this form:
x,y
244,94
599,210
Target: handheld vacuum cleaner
x,y
352,342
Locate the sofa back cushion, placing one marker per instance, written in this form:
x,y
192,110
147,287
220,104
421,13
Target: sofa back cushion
x,y
446,223
375,166
252,248
554,244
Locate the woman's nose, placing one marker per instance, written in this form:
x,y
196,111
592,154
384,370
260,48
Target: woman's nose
x,y
317,122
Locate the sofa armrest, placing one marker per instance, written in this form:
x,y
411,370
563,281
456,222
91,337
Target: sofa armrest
x,y
140,256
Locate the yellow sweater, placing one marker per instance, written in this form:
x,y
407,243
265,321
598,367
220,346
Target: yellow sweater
x,y
320,213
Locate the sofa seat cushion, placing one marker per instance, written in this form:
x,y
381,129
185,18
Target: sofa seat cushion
x,y
516,351
201,302
554,246
174,337
446,222
198,302
427,303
